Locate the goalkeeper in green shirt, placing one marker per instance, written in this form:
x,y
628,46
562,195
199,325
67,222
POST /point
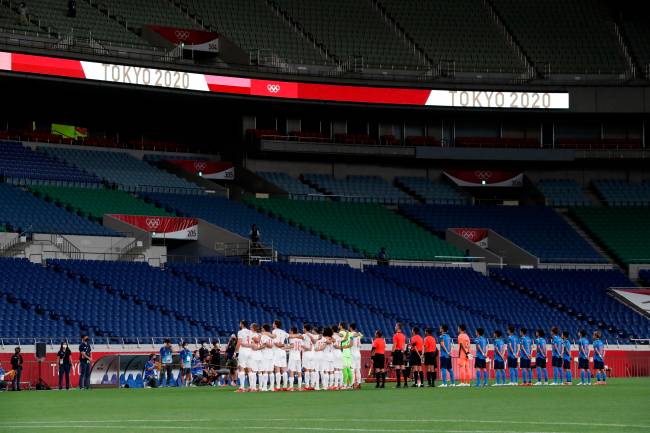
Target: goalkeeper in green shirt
x,y
346,345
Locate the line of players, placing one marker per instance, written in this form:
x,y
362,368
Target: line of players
x,y
517,353
316,359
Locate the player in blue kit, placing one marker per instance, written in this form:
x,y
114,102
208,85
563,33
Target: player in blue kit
x,y
513,355
445,356
566,358
540,357
558,348
583,358
499,358
599,359
525,353
481,357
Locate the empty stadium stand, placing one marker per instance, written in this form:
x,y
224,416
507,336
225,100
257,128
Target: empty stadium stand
x,y
583,295
139,13
623,193
363,227
22,212
295,188
361,189
96,202
236,217
127,172
563,192
430,192
528,227
622,231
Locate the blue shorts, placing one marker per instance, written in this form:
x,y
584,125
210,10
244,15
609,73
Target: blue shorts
x,y
445,363
540,362
512,363
599,365
566,364
524,363
583,363
498,365
479,363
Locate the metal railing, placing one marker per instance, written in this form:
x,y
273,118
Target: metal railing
x,y
65,246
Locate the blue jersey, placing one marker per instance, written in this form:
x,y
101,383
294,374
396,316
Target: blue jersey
x,y
197,366
557,346
149,370
186,358
513,344
541,348
166,355
481,344
526,347
498,348
446,339
599,346
567,350
584,348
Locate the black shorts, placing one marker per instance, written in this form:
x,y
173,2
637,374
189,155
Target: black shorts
x,y
479,363
540,362
498,365
566,364
583,363
557,362
445,363
524,363
379,361
599,365
512,363
398,357
415,359
430,358
186,371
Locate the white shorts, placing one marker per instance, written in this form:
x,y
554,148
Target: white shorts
x,y
280,359
356,361
255,361
338,360
323,363
266,363
295,366
243,359
308,360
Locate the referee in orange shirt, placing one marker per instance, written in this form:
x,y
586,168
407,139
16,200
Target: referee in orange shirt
x,y
417,353
399,344
430,352
378,354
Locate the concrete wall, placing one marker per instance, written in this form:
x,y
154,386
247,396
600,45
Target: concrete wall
x,y
474,250
512,254
7,237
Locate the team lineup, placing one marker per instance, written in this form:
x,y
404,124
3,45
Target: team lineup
x,y
329,358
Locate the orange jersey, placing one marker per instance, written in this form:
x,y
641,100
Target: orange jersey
x,y
379,344
429,344
463,345
399,341
417,343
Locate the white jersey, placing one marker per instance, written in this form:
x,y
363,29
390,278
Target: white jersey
x,y
279,337
355,349
267,352
244,336
295,348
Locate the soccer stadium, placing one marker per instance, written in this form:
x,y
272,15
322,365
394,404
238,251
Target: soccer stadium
x,y
325,216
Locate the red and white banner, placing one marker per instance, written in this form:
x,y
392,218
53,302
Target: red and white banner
x,y
478,236
198,40
485,178
639,298
163,226
152,77
207,169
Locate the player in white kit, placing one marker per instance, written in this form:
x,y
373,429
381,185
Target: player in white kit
x,y
356,355
337,359
255,358
243,354
266,358
308,357
295,363
280,357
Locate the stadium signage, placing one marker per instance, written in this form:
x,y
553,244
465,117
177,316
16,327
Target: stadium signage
x,y
163,227
291,90
206,169
492,178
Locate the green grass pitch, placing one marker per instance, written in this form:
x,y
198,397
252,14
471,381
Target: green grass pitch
x,y
620,407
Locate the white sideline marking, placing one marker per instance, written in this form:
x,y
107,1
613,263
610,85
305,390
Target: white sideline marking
x,y
214,428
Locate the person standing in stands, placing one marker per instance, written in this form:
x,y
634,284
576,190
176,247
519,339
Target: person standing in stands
x,y
430,358
255,237
399,344
85,362
417,355
166,358
17,367
22,12
378,354
382,257
65,364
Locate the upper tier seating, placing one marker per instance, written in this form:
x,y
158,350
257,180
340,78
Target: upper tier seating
x,y
93,310
351,29
582,293
139,13
563,192
364,227
129,173
528,227
431,192
19,163
461,31
638,34
253,25
24,212
624,232
236,217
571,36
295,188
622,193
99,201
644,277
362,189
